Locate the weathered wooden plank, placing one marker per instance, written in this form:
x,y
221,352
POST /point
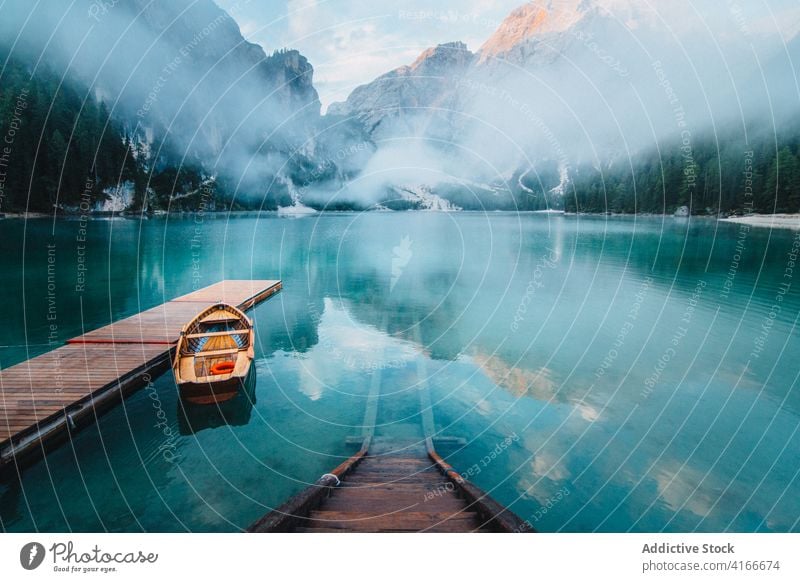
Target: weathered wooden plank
x,y
396,522
397,493
491,512
233,291
402,487
385,504
399,486
287,516
399,475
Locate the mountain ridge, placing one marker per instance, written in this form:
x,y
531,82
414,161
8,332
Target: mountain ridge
x,y
560,88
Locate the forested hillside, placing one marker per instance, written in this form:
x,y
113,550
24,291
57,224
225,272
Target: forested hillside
x,y
61,147
737,178
55,139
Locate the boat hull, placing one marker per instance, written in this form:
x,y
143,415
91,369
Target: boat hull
x,y
194,418
211,392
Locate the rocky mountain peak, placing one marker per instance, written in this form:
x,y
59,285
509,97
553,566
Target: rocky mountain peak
x,y
441,59
294,76
531,21
420,84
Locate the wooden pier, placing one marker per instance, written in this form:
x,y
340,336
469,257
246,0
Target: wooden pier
x,y
409,489
43,399
393,486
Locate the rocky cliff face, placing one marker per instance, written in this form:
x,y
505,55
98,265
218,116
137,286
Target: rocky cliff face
x,y
293,76
558,80
409,97
561,82
208,79
178,74
428,96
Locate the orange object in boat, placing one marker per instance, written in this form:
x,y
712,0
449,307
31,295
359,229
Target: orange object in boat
x,y
225,367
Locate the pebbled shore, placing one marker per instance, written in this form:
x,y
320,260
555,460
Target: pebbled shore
x,y
791,221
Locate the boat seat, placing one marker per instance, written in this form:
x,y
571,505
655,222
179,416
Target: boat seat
x,y
209,334
216,353
219,316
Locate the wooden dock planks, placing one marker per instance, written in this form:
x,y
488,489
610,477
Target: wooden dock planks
x,y
35,390
394,494
159,325
163,323
402,487
392,485
45,396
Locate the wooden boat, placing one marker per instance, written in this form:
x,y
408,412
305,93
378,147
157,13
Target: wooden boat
x,y
214,355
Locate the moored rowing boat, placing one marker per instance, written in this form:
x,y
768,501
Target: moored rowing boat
x,y
214,355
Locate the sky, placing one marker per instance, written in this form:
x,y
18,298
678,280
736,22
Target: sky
x,y
351,43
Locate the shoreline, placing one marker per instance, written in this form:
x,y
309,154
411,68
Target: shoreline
x,y
779,220
6,215
790,221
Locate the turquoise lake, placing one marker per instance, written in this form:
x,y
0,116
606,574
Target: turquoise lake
x,y
643,370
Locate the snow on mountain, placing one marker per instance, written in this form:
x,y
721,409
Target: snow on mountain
x,y
424,198
119,198
297,208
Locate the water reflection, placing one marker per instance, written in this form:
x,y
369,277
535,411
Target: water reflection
x,y
193,418
713,445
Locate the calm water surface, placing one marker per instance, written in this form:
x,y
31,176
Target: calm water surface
x,y
644,371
